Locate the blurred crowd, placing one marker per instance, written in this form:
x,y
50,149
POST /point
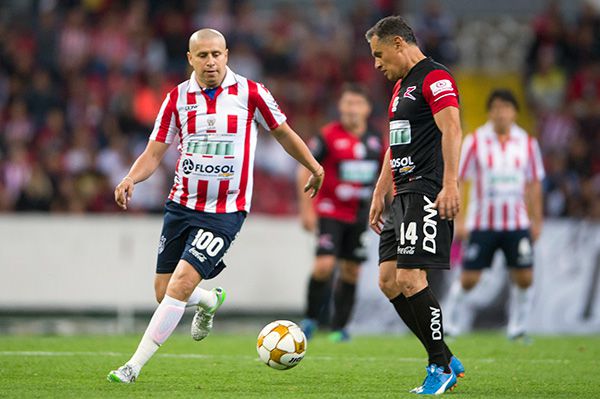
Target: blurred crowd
x,y
563,87
81,82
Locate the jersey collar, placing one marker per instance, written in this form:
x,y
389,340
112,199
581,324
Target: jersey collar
x,y
230,80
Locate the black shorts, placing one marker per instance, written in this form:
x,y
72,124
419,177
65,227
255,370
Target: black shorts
x,y
414,235
200,238
483,244
343,240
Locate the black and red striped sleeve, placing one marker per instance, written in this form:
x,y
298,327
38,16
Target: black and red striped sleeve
x,y
439,90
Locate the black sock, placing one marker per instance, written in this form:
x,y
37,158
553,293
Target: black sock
x,y
428,316
343,301
315,298
404,311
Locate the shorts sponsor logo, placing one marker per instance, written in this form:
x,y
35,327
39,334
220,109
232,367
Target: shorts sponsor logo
x,y
188,166
525,252
429,226
326,241
406,250
409,90
403,165
400,133
197,254
436,323
441,86
161,244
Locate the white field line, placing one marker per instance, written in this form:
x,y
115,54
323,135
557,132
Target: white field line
x,y
314,358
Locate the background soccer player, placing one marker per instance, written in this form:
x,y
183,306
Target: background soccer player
x,y
350,152
215,114
425,135
505,208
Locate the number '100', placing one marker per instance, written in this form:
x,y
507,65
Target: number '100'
x,y
205,240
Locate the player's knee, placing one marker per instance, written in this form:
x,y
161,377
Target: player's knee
x,y
180,287
349,273
159,296
323,268
388,286
469,281
411,282
523,280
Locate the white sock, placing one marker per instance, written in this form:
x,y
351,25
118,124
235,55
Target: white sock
x,y
206,299
518,314
454,302
163,322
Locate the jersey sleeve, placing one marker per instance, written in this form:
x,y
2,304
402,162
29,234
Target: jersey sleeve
x,y
318,147
535,166
466,167
166,126
439,90
267,112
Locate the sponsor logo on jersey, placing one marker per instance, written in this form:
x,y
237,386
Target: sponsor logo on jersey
x,y
441,86
406,250
429,226
436,323
188,166
400,133
191,107
409,90
404,165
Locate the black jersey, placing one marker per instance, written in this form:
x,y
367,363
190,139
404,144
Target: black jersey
x,y
415,140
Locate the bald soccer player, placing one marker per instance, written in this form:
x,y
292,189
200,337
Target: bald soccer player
x,y
215,115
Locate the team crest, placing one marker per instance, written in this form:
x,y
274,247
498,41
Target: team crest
x,y
409,90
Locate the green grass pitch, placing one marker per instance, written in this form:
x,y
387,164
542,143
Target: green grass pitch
x,y
227,366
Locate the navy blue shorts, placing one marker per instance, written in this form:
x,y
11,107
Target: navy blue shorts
x,y
200,238
483,244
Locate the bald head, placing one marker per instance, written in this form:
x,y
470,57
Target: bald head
x,y
208,56
206,34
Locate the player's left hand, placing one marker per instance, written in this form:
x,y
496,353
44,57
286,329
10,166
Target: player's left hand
x,y
315,181
448,202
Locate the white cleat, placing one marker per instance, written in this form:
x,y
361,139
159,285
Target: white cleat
x,y
124,374
203,319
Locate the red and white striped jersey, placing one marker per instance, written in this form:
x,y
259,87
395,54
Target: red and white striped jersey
x,y
217,140
499,173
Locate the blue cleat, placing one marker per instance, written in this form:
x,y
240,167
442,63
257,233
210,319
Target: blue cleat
x,y
437,382
457,367
308,326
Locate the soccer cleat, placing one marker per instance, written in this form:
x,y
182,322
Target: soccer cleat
x,y
437,382
308,326
338,336
203,319
457,367
124,374
521,338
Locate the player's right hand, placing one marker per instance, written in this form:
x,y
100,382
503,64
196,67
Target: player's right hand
x,y
377,208
123,192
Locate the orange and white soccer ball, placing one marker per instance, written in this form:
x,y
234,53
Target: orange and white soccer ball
x,y
281,345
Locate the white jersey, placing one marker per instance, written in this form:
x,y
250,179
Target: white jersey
x,y
217,140
499,173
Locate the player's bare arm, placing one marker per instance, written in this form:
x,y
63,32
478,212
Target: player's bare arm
x,y
448,199
293,145
141,169
308,216
533,196
382,188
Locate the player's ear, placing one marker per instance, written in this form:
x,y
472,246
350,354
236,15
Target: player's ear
x,y
189,57
399,43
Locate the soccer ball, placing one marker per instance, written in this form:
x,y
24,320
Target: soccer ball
x,y
281,345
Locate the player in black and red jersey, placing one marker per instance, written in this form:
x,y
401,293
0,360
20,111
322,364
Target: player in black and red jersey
x,y
422,167
350,152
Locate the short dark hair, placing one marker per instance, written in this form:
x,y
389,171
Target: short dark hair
x,y
355,88
504,95
393,25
